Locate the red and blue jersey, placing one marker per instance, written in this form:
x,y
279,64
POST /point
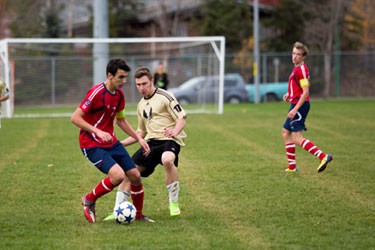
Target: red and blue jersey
x,y
300,77
100,107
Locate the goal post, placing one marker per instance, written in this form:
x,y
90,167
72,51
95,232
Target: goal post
x,y
57,72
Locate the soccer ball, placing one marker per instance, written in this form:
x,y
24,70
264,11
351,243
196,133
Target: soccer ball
x,y
125,213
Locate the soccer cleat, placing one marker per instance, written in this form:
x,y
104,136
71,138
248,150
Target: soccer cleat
x,y
88,209
323,164
288,170
174,209
109,217
145,219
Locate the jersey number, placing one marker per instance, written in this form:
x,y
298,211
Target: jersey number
x,y
177,108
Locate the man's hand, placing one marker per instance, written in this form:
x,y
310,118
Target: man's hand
x,y
286,97
106,137
145,147
292,113
169,133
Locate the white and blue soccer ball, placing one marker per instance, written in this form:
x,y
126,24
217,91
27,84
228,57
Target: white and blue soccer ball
x,y
125,213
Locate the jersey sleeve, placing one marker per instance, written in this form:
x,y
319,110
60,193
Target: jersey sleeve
x,y
176,110
303,76
87,103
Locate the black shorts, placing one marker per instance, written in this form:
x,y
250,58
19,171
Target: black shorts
x,y
158,147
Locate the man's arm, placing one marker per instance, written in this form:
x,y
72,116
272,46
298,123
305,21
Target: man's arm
x,y
300,102
77,119
180,124
134,136
130,140
4,98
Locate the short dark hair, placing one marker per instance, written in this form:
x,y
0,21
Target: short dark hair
x,y
116,64
143,71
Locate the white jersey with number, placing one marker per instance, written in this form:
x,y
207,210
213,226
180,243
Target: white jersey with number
x,y
160,112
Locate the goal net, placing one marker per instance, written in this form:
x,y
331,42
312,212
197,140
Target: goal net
x,y
49,77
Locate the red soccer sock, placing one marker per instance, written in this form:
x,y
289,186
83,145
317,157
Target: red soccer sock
x,y
312,149
137,195
105,186
290,149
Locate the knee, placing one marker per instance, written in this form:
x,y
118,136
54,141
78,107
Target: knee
x,y
117,175
297,139
134,176
168,162
285,134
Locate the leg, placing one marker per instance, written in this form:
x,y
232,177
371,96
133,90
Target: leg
x,y
290,149
307,145
171,180
115,175
126,190
123,192
171,173
312,149
136,190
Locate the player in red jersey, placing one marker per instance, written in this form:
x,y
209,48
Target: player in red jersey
x,y
298,96
95,117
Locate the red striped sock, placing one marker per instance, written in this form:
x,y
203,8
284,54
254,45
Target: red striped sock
x,y
312,149
103,187
137,195
290,149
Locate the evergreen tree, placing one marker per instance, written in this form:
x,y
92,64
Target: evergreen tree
x,y
229,18
122,14
51,24
286,24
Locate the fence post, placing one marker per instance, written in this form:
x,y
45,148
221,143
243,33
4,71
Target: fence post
x,y
53,80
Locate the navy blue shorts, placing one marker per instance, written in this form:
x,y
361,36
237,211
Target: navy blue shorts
x,y
158,147
105,158
298,122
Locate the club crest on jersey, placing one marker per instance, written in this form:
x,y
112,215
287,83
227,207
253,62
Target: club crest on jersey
x,y
87,103
148,115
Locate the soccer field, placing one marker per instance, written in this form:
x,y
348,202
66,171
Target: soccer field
x,y
233,193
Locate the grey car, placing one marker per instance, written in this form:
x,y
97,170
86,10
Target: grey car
x,y
205,89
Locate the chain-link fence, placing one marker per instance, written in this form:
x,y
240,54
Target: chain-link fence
x,y
58,74
352,74
63,80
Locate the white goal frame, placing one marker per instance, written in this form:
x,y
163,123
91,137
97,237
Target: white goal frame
x,y
217,44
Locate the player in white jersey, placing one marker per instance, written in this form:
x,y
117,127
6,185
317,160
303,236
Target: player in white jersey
x,y
161,121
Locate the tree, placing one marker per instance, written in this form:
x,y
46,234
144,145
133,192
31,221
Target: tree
x,y
121,15
33,18
168,22
229,18
285,25
25,16
320,24
359,24
328,15
51,23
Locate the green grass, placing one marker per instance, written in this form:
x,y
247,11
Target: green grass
x,y
233,194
